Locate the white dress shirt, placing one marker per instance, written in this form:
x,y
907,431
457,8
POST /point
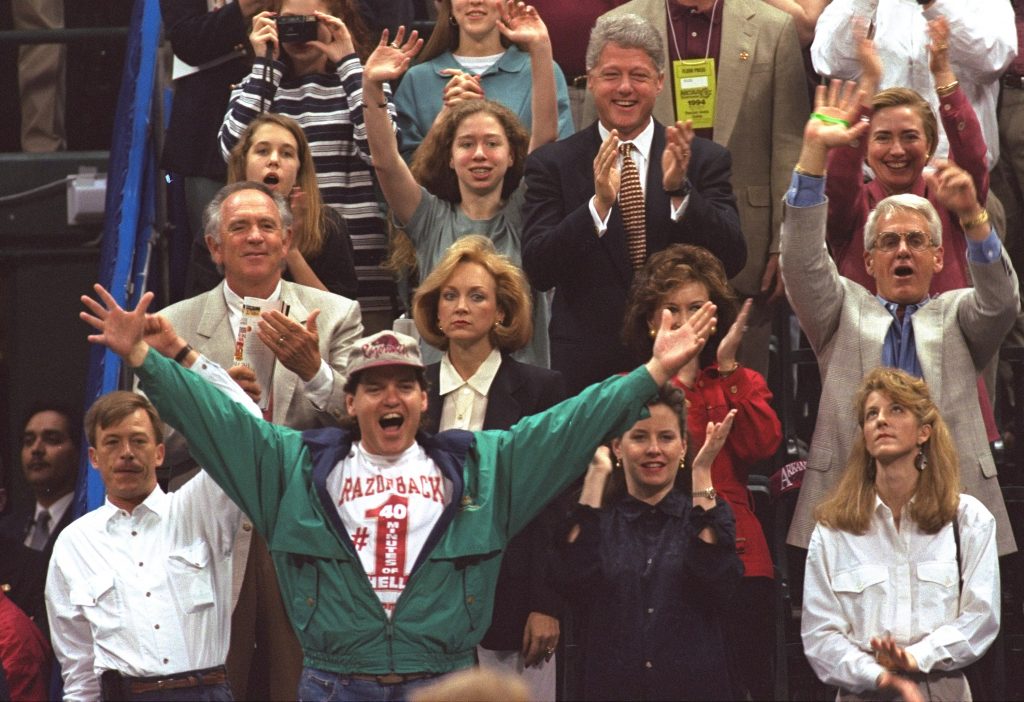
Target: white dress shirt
x,y
465,401
146,593
902,584
982,43
642,157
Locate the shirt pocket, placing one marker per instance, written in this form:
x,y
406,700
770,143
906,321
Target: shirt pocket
x,y
101,604
862,594
938,590
190,577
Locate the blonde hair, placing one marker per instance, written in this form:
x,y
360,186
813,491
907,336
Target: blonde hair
x,y
310,239
849,506
511,289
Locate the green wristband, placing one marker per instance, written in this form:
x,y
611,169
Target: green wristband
x,y
829,120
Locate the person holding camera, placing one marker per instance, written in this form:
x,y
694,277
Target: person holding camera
x,y
308,66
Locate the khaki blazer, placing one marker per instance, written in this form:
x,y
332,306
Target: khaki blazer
x,y
762,107
956,334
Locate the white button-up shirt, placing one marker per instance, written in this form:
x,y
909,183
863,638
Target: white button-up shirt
x,y
903,584
465,401
146,593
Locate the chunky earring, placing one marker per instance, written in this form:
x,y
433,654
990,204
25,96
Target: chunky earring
x,y
618,463
682,463
452,22
920,460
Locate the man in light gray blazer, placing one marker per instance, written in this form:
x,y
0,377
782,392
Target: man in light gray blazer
x,y
248,233
949,337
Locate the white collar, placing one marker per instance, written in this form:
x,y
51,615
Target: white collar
x,y
642,142
155,502
449,378
56,510
234,300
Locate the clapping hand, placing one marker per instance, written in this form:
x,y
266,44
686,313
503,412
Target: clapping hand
x,y
673,348
675,159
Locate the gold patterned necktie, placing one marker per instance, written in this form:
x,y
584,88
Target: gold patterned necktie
x,y
631,202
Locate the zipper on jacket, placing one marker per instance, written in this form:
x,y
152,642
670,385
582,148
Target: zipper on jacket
x,y
390,633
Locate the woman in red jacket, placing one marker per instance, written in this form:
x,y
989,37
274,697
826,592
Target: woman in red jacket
x,y
680,279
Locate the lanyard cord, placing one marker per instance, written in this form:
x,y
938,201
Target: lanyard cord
x,y
672,28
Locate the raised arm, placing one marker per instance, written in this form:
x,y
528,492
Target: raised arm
x,y
982,36
388,62
523,26
812,282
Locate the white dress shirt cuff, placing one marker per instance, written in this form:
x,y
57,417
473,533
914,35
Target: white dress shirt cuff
x,y
601,225
320,386
677,212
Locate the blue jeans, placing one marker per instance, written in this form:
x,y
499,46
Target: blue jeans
x,y
337,687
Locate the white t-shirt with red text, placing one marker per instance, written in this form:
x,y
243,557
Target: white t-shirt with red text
x,y
389,507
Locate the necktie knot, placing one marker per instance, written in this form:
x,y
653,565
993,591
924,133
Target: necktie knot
x,y
626,149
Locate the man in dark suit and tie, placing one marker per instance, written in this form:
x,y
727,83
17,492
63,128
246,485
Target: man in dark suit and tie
x,y
599,202
49,462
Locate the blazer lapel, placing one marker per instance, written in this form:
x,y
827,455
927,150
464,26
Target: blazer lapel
x,y
215,328
434,402
874,324
928,332
739,39
503,406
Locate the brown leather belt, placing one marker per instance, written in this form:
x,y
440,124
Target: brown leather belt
x,y
195,678
1012,80
391,678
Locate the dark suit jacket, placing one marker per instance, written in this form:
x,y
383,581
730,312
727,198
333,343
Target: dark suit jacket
x,y
592,275
201,99
518,391
16,523
23,577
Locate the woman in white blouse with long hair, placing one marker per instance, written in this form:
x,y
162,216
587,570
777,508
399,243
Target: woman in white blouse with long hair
x,y
901,588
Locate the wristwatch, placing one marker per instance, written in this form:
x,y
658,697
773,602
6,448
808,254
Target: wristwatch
x,y
683,190
708,493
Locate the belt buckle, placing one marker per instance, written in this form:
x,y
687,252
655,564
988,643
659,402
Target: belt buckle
x,y
390,679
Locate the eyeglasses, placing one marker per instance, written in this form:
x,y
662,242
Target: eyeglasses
x,y
890,241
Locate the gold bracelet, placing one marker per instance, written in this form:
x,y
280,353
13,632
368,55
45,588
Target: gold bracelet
x,y
727,373
803,171
947,89
976,222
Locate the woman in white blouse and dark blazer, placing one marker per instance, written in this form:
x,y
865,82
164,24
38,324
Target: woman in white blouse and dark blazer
x,y
475,306
902,582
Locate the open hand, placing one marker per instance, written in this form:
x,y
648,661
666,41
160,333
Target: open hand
x,y
606,173
938,50
717,433
297,347
120,330
673,348
390,61
521,25
675,159
729,347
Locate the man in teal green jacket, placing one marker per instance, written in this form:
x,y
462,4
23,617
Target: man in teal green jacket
x,y
382,624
